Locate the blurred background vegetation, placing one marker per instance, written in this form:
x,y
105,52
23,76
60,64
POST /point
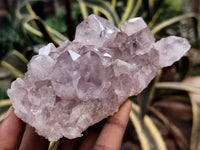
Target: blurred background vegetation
x,y
166,115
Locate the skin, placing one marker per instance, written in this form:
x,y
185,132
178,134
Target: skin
x,y
16,135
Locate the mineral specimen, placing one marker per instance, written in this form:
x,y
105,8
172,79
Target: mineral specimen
x,y
71,87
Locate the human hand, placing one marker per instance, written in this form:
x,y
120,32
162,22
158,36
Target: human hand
x,y
15,134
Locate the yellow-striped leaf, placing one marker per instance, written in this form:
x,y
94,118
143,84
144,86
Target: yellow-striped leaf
x,y
178,86
32,23
16,63
195,101
113,4
136,9
4,105
195,137
128,11
173,20
145,97
105,8
178,136
53,145
83,9
148,134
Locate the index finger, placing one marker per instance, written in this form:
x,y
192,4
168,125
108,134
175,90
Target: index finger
x,y
114,128
11,131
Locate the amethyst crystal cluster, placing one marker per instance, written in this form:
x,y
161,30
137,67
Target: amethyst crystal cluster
x,y
71,87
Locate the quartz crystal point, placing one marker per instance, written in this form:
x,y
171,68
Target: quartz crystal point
x,y
71,87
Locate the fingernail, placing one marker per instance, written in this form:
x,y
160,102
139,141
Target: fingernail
x,y
8,113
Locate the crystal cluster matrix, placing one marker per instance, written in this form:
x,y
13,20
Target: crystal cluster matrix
x,y
71,87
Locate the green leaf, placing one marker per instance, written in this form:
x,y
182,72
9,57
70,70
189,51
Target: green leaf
x,y
3,93
146,6
149,136
195,102
18,5
195,137
146,96
58,36
175,131
25,23
2,115
128,11
83,9
4,106
53,145
177,86
105,8
113,4
136,9
155,8
32,23
173,20
154,19
16,63
22,3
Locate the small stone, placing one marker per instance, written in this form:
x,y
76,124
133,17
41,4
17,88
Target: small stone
x,y
71,87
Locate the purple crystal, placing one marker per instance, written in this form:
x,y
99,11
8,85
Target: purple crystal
x,y
69,88
93,28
